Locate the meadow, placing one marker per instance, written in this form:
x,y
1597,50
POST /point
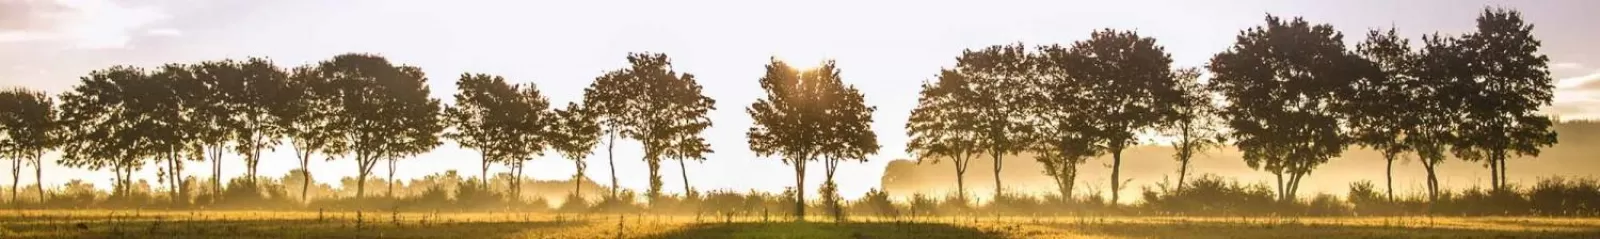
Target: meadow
x,y
274,224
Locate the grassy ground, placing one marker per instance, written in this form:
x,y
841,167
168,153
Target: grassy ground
x,y
185,224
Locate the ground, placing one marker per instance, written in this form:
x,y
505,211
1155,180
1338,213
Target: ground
x,y
262,224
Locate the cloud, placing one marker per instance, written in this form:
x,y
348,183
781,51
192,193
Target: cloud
x,y
163,32
1566,65
1583,83
90,24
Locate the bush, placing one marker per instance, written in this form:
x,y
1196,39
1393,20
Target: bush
x,y
876,202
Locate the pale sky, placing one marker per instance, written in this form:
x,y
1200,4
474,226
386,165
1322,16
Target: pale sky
x,y
884,47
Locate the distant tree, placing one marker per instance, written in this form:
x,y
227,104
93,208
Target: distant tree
x,y
415,119
607,100
384,109
1064,137
29,126
1383,106
1511,80
850,136
997,77
1196,123
481,118
575,135
809,115
306,113
260,87
668,112
104,125
211,112
180,124
529,134
1441,71
1281,82
1128,82
940,127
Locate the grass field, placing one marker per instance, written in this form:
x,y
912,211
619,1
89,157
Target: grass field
x,y
259,224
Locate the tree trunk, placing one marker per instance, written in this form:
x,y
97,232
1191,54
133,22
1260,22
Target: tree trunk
x,y
800,190
655,177
997,162
361,176
255,179
391,178
577,179
305,172
611,153
1433,186
485,170
16,178
685,173
961,181
1389,174
1281,191
172,173
1116,175
1183,171
216,171
1494,178
38,175
1504,182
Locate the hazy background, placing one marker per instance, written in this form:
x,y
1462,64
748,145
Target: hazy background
x,y
884,47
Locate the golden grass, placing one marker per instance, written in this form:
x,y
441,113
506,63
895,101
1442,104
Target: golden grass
x,y
268,224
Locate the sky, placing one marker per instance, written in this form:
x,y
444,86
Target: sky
x,y
886,48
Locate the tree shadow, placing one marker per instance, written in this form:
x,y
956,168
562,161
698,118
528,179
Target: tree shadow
x,y
919,230
1226,229
272,228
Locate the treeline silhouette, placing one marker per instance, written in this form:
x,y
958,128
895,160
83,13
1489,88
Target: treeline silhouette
x,y
1288,94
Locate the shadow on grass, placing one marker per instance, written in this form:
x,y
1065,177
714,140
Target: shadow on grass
x,y
271,228
828,230
1214,229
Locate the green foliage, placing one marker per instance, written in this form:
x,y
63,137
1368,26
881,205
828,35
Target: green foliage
x,y
29,126
654,104
940,126
1282,82
996,77
383,110
809,115
1508,81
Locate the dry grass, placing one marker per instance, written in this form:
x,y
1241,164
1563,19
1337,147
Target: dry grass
x,y
262,224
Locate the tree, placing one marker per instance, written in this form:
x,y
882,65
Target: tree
x,y
809,115
528,135
384,110
607,99
940,126
1440,70
1511,80
1281,82
1064,136
574,136
1129,87
849,128
415,122
105,125
481,118
306,113
998,76
260,87
179,125
1196,123
210,112
28,128
1381,112
668,111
